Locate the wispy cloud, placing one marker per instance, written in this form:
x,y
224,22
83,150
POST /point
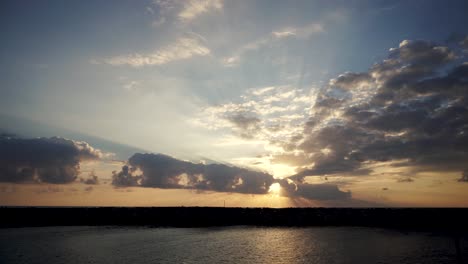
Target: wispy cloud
x,y
182,10
299,32
131,86
183,48
277,35
194,8
150,10
158,22
161,9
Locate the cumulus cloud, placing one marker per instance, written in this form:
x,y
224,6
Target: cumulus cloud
x,y
125,178
161,171
352,80
183,48
51,160
411,107
407,111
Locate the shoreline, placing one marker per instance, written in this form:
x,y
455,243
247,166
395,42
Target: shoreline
x,y
432,219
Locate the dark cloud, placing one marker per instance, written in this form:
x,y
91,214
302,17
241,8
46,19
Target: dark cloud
x,y
332,150
323,191
161,171
420,53
415,111
125,178
51,160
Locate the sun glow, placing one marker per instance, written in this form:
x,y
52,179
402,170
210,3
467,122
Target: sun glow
x,y
275,188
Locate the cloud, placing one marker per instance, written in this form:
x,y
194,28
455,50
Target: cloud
x,y
160,9
51,160
271,114
351,80
194,8
464,43
92,179
161,171
420,53
312,191
405,179
181,12
131,86
183,48
247,126
464,177
412,107
8,189
150,10
275,36
125,178
50,189
299,32
158,22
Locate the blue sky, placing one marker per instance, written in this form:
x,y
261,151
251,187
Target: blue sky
x,y
48,47
207,80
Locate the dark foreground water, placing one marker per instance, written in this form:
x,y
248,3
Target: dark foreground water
x,y
224,245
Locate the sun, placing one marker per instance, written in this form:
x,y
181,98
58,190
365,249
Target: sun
x,y
275,188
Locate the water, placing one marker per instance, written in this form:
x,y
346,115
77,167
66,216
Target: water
x,y
223,245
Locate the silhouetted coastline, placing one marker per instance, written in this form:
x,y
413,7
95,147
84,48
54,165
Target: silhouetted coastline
x,y
443,219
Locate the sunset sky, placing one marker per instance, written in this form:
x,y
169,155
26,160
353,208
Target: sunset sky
x,y
248,103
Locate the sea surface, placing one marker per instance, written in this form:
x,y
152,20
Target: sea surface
x,y
240,244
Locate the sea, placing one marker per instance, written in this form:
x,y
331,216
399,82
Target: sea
x,y
239,244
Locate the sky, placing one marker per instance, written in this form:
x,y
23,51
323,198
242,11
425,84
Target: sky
x,y
243,103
